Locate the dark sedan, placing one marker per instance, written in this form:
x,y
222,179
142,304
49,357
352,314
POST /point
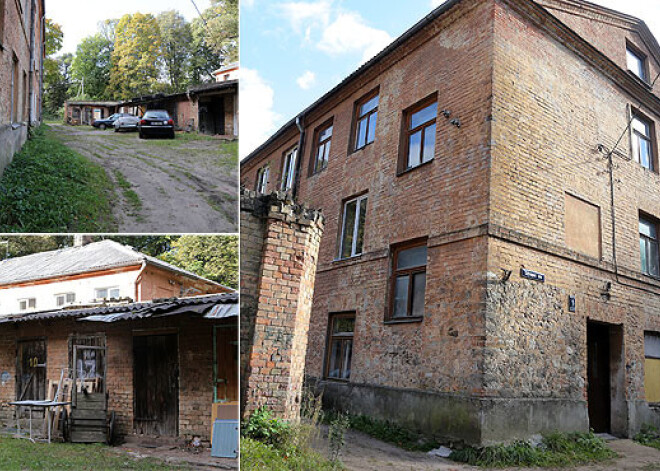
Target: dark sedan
x,y
156,123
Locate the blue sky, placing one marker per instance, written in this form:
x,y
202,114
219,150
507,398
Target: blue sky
x,y
294,51
79,19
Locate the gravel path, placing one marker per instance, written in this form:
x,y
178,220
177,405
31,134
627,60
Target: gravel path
x,y
163,186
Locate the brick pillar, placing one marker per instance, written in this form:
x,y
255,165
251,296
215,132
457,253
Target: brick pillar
x,y
279,249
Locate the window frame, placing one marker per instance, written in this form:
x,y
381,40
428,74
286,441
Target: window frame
x,y
353,142
358,199
648,356
27,302
2,24
313,162
285,169
66,302
635,114
259,183
108,289
406,132
394,273
344,338
642,57
652,221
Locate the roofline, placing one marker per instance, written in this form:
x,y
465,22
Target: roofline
x,y
428,19
190,91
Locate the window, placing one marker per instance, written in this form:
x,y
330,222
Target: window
x,y
15,85
340,346
262,179
289,169
2,22
420,133
408,281
107,293
636,62
652,366
366,116
24,116
65,298
642,149
322,148
582,226
352,233
28,303
648,246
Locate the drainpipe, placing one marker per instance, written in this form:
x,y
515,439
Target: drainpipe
x,y
42,57
301,142
138,279
31,68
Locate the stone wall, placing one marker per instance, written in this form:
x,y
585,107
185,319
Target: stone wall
x,y
279,249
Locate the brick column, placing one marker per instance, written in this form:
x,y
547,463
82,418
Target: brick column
x,y
279,249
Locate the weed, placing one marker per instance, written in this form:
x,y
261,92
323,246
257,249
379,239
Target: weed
x,y
264,427
337,434
648,436
131,196
257,456
391,433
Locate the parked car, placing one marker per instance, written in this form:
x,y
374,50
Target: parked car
x,y
109,121
156,123
127,123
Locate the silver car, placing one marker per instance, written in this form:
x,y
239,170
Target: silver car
x,y
127,122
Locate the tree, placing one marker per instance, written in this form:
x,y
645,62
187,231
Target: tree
x,y
222,28
203,59
19,246
176,37
136,56
54,82
54,37
149,245
213,257
92,65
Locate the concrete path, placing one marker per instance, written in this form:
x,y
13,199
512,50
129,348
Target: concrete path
x,y
163,186
363,453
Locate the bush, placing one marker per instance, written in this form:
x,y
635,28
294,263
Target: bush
x,y
262,426
259,456
648,436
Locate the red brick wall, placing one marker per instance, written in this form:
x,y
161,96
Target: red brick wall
x,y
159,283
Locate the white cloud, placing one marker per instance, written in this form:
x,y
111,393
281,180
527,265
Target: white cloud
x,y
306,80
302,15
348,33
434,3
258,120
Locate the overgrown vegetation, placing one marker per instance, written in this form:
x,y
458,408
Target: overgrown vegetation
x,y
50,188
556,449
648,436
127,189
17,455
256,455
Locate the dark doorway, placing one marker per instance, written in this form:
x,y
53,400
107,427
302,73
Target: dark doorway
x,y
31,370
156,384
212,116
598,376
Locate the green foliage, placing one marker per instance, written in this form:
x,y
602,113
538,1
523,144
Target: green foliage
x,y
391,433
258,456
136,57
336,435
176,37
556,449
214,257
264,427
91,66
54,37
50,188
149,245
18,246
648,436
222,28
56,80
17,455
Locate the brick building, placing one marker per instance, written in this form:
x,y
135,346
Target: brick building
x,y
490,188
22,53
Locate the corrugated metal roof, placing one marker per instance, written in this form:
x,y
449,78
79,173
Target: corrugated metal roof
x,y
201,305
92,257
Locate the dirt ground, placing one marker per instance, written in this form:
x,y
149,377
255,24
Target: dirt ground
x,y
363,453
186,458
181,185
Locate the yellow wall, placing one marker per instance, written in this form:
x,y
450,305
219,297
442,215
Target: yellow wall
x,y
652,379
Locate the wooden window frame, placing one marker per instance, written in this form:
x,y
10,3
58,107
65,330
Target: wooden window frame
x,y
353,142
285,174
406,132
394,273
656,224
330,337
313,162
258,184
651,357
636,114
358,199
640,55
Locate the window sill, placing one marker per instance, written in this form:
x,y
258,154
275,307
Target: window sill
x,y
360,149
347,259
318,172
16,125
404,320
411,169
337,380
640,79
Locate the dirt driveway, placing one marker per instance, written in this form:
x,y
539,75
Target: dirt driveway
x,y
363,453
167,186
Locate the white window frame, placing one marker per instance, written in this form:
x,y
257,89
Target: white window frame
x,y
637,136
27,304
356,227
639,61
289,169
107,290
66,301
262,179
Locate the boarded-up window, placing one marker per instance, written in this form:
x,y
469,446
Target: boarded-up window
x,y
652,366
582,226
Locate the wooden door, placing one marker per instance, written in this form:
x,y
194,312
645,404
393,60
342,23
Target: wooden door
x,y
31,370
598,376
226,363
156,384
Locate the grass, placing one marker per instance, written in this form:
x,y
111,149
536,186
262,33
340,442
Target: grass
x,y
20,455
131,196
556,449
256,455
648,436
50,188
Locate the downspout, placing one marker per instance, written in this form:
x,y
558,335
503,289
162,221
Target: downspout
x,y
31,76
138,279
43,57
301,143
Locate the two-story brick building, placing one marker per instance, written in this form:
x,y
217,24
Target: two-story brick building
x,y
490,187
22,52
